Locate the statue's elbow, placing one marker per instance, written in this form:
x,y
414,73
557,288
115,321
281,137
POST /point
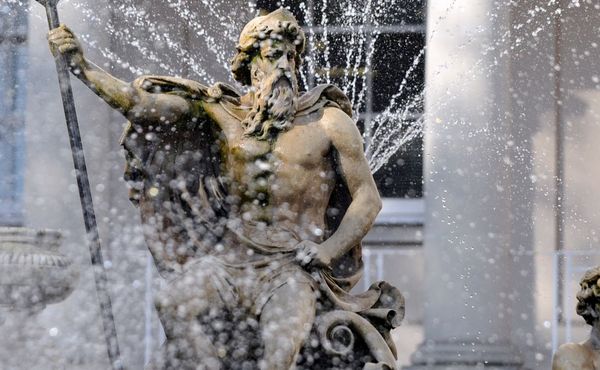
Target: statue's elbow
x,y
378,205
375,202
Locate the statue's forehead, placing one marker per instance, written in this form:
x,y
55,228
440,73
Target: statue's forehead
x,y
276,43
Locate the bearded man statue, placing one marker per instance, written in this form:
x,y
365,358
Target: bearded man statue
x,y
275,84
254,207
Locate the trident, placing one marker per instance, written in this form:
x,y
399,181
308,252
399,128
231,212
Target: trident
x,y
85,195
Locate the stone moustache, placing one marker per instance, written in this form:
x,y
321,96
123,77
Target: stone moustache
x,y
254,207
584,355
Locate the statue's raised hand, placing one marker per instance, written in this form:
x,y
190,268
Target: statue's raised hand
x,y
62,41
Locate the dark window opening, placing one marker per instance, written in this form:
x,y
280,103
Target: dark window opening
x,y
396,31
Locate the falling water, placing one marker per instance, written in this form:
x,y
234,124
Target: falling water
x,y
384,133
388,131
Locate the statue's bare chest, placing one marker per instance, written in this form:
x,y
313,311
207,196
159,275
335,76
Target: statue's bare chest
x,y
297,151
301,146
246,149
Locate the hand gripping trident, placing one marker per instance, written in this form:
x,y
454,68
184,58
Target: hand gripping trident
x,y
85,195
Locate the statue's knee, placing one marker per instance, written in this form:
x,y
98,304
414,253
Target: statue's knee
x,y
295,296
280,355
186,297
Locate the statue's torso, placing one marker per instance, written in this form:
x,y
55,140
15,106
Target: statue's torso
x,y
278,190
284,183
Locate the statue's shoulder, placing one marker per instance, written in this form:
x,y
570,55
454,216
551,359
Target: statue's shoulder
x,y
196,92
571,356
335,114
186,88
321,96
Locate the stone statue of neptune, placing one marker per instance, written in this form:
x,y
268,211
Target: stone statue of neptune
x,y
254,207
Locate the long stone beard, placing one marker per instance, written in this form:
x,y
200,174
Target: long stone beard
x,y
274,107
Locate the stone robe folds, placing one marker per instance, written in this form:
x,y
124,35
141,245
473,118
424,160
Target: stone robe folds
x,y
173,171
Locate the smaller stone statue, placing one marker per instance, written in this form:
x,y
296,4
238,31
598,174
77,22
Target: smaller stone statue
x,y
584,355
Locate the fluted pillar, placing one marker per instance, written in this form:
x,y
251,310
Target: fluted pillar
x,y
13,52
468,172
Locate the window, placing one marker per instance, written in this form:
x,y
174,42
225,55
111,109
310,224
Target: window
x,y
368,48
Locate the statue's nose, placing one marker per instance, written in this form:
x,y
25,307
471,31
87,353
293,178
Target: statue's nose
x,y
283,62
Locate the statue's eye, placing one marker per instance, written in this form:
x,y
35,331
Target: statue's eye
x,y
274,55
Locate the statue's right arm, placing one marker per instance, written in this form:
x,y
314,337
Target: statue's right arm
x,y
133,102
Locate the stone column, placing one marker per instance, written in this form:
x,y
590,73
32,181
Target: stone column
x,y
469,291
13,55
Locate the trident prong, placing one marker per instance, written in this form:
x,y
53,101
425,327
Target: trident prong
x,y
50,2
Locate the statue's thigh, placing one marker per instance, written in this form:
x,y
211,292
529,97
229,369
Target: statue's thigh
x,y
202,289
290,309
285,322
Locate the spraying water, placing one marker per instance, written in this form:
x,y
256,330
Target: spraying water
x,y
385,133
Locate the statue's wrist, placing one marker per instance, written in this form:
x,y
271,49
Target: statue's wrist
x,y
77,63
332,252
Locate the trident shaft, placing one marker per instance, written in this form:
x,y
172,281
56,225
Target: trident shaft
x,y
85,196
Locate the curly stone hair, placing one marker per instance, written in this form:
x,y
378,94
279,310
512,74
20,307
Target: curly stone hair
x,y
588,297
240,63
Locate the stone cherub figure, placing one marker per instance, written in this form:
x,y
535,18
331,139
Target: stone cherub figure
x,y
254,207
584,355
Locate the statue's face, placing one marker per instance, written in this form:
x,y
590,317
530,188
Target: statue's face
x,y
276,59
588,298
273,74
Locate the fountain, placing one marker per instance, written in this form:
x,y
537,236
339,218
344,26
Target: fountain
x,y
201,206
358,64
467,65
33,273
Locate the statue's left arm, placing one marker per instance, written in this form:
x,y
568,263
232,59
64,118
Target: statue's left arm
x,y
366,203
